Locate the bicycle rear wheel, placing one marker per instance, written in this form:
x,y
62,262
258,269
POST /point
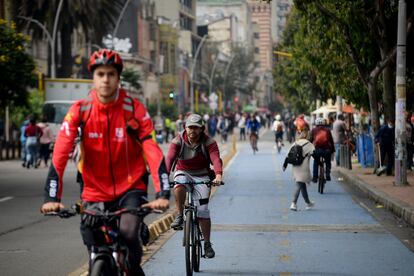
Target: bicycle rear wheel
x,y
101,267
189,240
321,180
197,248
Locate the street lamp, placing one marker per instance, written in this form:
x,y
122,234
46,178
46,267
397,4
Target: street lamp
x,y
225,77
51,38
118,22
194,62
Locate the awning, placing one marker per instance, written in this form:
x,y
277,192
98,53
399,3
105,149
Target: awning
x,y
348,109
325,109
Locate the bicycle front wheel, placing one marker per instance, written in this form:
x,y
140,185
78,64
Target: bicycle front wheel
x,y
100,268
197,248
189,241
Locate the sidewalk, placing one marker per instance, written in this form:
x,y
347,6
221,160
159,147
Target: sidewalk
x,y
381,189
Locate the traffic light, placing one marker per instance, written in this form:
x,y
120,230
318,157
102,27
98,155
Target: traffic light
x,y
171,95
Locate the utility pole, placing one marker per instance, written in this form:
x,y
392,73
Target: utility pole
x,y
400,125
193,64
51,38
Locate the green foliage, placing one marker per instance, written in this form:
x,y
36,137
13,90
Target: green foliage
x,y
16,67
91,19
168,109
34,108
321,67
131,78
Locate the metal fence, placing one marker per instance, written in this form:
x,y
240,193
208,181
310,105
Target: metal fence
x,y
9,150
345,154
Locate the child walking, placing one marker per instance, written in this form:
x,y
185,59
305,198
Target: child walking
x,y
301,172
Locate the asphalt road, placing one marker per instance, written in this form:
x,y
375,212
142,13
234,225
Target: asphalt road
x,y
30,243
255,233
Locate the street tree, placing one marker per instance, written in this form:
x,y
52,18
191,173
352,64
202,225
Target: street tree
x,y
92,20
365,28
16,67
319,67
130,78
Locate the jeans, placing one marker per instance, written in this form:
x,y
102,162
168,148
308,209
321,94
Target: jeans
x,y
301,187
326,154
337,147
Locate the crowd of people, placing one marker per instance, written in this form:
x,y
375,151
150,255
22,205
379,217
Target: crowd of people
x,y
127,148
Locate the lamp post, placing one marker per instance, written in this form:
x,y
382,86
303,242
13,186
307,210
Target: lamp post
x,y
193,64
119,22
225,78
212,74
51,38
400,125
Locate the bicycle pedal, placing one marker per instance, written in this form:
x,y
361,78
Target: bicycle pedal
x,y
179,228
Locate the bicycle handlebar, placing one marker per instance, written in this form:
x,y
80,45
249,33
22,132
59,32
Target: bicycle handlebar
x,y
67,213
208,183
64,213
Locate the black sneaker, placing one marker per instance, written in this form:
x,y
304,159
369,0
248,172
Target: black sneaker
x,y
328,178
314,179
208,250
177,224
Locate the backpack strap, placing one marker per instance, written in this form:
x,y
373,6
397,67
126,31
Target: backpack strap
x,y
128,109
306,155
181,152
85,112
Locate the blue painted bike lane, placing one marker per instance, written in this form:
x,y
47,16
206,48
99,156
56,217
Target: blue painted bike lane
x,y
255,233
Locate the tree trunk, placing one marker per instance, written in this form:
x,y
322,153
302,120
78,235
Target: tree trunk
x,y
65,68
375,124
388,95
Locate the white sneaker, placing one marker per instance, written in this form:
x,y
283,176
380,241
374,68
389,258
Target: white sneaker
x,y
293,206
310,205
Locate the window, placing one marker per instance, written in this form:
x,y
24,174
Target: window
x,y
256,35
256,50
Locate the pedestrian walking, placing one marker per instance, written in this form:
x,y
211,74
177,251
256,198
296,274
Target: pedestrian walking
x,y
179,124
242,126
32,133
386,139
23,142
339,135
301,151
45,141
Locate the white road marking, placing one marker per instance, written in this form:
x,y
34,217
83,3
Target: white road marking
x,y
5,198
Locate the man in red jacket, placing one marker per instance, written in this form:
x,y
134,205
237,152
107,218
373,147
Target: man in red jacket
x,y
113,165
192,151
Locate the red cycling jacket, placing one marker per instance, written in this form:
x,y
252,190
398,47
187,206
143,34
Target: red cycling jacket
x,y
112,160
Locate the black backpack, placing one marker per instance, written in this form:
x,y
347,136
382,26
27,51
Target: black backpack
x,y
295,155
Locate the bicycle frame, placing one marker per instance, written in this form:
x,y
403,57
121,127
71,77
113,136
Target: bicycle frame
x,y
192,237
109,258
253,142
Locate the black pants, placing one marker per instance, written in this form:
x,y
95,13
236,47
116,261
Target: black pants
x,y
326,154
129,226
387,151
242,133
410,149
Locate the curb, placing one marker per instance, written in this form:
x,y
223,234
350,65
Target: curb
x,y
162,225
399,208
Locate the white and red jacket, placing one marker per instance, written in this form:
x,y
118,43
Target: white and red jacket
x,y
113,162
